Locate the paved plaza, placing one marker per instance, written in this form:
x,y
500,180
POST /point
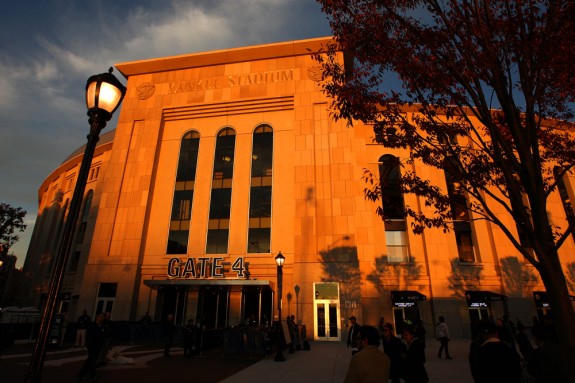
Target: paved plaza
x,y
326,362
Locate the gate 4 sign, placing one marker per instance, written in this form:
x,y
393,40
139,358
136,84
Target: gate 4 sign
x,y
204,267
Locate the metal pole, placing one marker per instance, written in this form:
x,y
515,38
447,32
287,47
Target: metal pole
x,y
36,363
279,356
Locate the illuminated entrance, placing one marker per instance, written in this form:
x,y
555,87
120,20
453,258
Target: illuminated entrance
x,y
479,304
405,308
326,312
215,303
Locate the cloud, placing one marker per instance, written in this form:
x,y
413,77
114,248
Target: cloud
x,y
47,52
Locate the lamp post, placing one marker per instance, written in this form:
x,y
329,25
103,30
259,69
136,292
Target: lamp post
x,y
104,93
280,259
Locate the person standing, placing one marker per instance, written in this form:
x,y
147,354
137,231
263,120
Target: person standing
x,y
523,342
169,332
81,327
94,341
495,361
474,347
107,339
352,334
415,371
381,328
143,328
547,363
295,338
369,364
291,329
442,334
189,338
396,351
420,331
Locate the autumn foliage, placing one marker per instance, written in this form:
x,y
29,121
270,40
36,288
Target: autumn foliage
x,y
492,89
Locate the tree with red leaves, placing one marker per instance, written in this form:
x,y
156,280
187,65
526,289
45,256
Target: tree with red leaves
x,y
492,89
11,219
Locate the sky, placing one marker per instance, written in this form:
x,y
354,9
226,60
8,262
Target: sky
x,y
49,48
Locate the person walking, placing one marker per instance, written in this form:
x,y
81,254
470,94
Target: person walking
x,y
369,364
82,324
352,334
495,361
396,351
442,335
169,332
94,341
107,339
415,371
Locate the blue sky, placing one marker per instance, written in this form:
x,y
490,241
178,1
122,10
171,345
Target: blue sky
x,y
49,48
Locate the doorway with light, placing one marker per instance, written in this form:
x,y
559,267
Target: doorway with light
x,y
326,311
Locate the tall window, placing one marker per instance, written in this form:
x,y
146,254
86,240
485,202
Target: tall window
x,y
461,220
565,198
393,209
183,194
219,220
106,297
259,232
81,231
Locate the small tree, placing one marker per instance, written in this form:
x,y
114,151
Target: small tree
x,y
492,87
11,219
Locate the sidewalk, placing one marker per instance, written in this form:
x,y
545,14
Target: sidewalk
x,y
327,362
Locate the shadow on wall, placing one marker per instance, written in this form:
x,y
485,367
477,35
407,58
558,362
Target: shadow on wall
x,y
518,278
570,276
340,264
464,276
394,276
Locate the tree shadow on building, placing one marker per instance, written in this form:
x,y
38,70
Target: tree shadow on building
x,y
340,264
570,276
518,278
463,277
387,276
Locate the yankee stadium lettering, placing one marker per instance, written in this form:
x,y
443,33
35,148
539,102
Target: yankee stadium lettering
x,y
203,267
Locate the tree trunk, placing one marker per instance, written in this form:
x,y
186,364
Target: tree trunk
x,y
562,309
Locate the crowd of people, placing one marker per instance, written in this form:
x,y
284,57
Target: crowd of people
x,y
401,359
95,336
502,351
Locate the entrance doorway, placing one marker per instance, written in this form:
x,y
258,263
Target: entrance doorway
x,y
215,305
407,313
326,312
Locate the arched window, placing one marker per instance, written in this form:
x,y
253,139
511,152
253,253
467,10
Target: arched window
x,y
221,197
393,209
183,194
259,232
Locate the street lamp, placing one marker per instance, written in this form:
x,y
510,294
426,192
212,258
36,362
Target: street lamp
x,y
280,260
104,93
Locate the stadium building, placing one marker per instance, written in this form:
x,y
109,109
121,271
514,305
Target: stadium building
x,y
222,160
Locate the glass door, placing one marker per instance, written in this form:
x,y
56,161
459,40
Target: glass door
x,y
326,312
